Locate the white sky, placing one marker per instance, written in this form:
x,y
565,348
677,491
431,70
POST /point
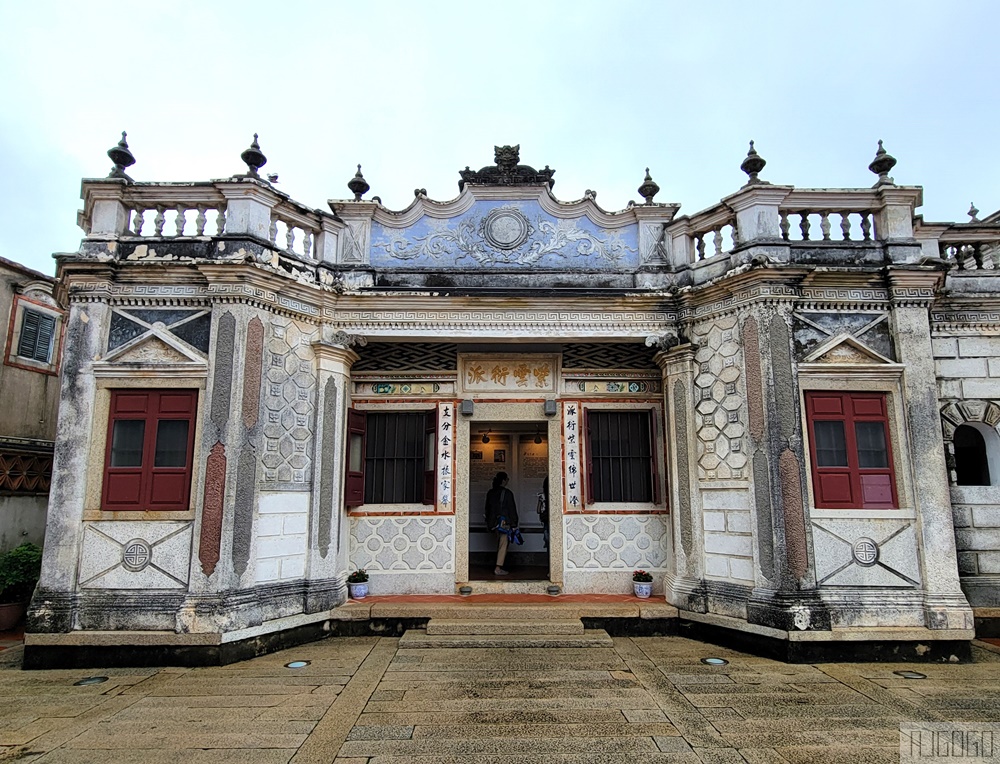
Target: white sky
x,y
414,91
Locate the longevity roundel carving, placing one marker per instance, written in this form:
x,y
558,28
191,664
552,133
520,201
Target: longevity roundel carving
x,y
136,555
506,228
865,552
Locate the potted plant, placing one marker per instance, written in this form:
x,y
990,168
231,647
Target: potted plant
x,y
19,571
642,583
357,582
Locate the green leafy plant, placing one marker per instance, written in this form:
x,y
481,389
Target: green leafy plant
x,y
19,572
358,577
642,577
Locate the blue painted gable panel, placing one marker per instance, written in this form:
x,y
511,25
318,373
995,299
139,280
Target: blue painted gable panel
x,y
497,234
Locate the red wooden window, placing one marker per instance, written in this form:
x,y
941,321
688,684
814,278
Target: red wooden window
x,y
149,452
621,456
851,454
391,457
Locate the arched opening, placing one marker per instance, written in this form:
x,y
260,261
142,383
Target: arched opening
x,y
972,458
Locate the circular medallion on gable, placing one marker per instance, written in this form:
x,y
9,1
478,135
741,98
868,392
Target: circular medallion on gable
x,y
506,228
865,552
136,555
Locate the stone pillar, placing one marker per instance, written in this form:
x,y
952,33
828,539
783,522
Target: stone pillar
x,y
327,557
894,222
684,585
105,214
225,497
912,294
785,595
248,207
758,223
53,607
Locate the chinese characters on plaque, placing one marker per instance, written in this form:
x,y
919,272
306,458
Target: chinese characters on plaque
x,y
446,449
571,440
523,374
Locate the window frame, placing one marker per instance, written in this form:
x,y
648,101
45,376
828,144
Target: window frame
x,y
653,415
20,308
147,472
854,473
357,474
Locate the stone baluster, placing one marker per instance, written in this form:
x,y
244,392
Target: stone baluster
x,y
200,221
699,246
289,237
804,224
718,240
220,221
784,225
307,243
181,220
845,225
824,224
158,221
138,219
272,231
866,226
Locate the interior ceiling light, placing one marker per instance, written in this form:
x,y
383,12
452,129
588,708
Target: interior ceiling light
x,y
486,436
538,437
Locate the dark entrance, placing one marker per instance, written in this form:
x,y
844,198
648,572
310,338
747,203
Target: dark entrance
x,y
521,450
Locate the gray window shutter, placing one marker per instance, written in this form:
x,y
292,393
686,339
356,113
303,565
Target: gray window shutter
x,y
37,330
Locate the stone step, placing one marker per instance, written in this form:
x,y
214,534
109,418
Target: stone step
x,y
552,626
415,638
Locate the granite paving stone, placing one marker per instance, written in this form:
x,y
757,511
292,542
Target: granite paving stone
x,y
646,700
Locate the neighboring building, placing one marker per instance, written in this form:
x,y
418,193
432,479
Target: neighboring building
x,y
31,327
748,402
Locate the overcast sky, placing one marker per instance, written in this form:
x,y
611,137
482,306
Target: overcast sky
x,y
415,91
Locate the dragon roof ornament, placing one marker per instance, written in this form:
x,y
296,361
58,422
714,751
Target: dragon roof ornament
x,y
507,171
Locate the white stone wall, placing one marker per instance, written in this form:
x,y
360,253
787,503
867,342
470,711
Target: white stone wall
x,y
968,367
728,534
281,536
976,510
405,555
602,550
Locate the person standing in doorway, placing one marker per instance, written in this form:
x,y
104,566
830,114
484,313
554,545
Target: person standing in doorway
x,y
501,516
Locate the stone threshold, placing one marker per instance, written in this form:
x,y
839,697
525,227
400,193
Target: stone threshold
x,y
393,615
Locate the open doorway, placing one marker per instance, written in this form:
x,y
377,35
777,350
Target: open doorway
x,y
521,450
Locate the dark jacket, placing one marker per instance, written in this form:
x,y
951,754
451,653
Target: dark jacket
x,y
500,501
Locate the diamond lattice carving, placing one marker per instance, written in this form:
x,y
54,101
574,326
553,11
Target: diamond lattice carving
x,y
407,356
597,355
289,402
25,473
719,402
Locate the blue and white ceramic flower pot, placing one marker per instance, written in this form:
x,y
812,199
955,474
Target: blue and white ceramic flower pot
x,y
642,588
358,591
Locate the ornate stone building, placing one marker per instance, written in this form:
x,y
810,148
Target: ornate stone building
x,y
747,402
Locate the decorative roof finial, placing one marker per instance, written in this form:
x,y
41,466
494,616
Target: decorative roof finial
x,y
254,158
122,158
881,164
648,189
752,165
358,185
973,212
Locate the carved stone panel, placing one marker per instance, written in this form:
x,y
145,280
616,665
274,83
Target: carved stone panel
x,y
289,403
719,402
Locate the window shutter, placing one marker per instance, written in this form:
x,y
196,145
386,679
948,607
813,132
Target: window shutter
x,y
430,456
354,459
35,341
43,347
585,442
29,334
654,458
169,487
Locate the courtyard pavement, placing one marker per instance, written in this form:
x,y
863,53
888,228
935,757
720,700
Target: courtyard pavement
x,y
365,700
